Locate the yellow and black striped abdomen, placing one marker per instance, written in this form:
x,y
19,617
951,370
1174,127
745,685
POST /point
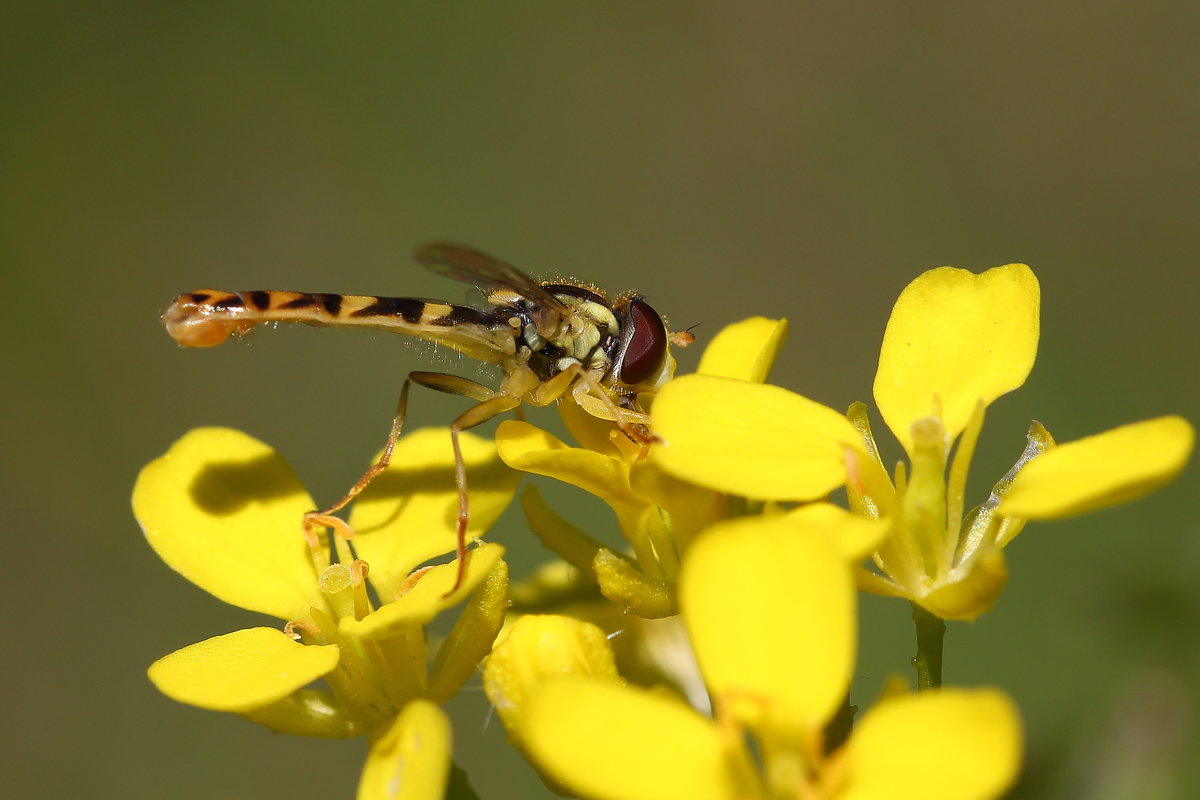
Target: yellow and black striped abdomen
x,y
207,317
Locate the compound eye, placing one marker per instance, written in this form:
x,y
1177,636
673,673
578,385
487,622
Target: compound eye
x,y
646,346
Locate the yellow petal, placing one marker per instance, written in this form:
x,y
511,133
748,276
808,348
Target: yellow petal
x,y
223,509
769,605
1113,467
536,648
409,514
612,743
411,760
745,350
956,338
854,535
427,597
524,447
952,744
241,671
750,439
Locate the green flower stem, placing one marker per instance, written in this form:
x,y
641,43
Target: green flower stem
x,y
838,729
931,630
459,787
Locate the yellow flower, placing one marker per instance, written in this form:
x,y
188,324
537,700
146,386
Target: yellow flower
x,y
955,342
225,511
769,605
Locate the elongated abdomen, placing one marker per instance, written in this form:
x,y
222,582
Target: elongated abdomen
x,y
207,317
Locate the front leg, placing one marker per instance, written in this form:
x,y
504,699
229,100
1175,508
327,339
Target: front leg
x,y
598,401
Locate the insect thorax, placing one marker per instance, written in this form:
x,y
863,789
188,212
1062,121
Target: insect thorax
x,y
589,335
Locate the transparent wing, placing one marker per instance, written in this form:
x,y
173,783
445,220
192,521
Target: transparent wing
x,y
480,269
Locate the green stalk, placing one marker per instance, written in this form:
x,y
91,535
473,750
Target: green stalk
x,y
931,630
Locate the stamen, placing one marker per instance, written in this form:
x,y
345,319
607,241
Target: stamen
x,y
411,581
304,632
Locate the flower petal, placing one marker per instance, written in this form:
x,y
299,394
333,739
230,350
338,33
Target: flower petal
x,y
854,535
409,514
613,743
1099,471
745,350
955,338
769,605
952,744
241,671
524,447
427,597
411,760
750,439
223,509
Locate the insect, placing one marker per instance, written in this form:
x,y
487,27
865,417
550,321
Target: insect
x,y
548,338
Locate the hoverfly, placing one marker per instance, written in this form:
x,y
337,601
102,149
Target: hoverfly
x,y
548,339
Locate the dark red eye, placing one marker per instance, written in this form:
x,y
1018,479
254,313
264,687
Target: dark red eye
x,y
646,345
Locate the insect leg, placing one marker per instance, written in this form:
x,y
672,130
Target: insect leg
x,y
475,415
598,401
317,518
450,384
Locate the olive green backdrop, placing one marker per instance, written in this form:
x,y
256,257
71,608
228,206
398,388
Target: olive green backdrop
x,y
725,159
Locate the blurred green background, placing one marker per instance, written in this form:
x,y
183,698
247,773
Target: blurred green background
x,y
787,159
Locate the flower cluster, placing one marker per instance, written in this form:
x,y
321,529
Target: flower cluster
x,y
740,575
728,525
769,606
225,511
